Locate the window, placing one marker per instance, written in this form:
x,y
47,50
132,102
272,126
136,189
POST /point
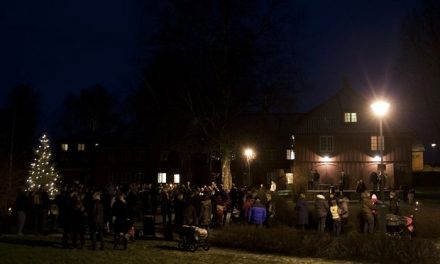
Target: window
x,y
350,117
81,147
176,178
65,147
161,177
326,144
377,143
290,154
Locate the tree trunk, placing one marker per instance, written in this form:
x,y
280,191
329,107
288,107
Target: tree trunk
x,y
226,172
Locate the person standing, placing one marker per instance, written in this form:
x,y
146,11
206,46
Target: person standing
x,y
257,213
316,178
97,221
303,211
336,218
273,187
360,188
321,211
374,179
21,206
343,205
205,212
367,213
342,182
119,212
394,204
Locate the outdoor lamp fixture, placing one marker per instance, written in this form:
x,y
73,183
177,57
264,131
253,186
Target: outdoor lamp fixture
x,y
326,159
433,145
250,155
380,109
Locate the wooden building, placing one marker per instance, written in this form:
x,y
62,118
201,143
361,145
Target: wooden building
x,y
342,134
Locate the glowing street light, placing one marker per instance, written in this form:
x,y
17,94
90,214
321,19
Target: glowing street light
x,y
250,155
380,109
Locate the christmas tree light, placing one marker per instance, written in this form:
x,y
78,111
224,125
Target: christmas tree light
x,y
42,172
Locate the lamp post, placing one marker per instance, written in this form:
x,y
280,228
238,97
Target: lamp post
x,y
380,109
250,155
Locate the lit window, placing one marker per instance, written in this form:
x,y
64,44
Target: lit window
x,y
290,154
81,147
65,147
326,144
289,178
176,178
161,177
350,117
377,143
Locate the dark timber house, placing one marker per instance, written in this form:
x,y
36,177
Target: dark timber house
x,y
342,134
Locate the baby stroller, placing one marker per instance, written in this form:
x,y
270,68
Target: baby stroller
x,y
192,237
400,226
122,232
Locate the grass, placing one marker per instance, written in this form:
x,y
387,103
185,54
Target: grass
x,y
358,247
37,250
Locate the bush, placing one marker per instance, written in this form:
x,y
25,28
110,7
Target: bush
x,y
353,246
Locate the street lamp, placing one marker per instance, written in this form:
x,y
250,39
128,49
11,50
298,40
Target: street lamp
x,y
380,109
250,155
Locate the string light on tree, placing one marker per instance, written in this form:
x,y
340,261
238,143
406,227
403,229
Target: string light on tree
x,y
42,172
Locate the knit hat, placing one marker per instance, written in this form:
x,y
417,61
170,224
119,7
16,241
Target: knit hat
x,y
320,196
97,196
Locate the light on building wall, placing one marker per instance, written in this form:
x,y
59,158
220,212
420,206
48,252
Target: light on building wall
x,y
433,145
176,178
325,159
376,158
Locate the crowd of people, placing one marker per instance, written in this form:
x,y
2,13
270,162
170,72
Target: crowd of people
x,y
79,210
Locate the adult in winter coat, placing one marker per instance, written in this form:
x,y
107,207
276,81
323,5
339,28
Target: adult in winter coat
x,y
394,204
343,205
360,188
97,221
79,219
303,211
257,214
120,214
205,212
367,212
321,211
190,214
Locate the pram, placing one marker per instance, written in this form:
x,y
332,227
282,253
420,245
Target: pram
x,y
399,226
192,237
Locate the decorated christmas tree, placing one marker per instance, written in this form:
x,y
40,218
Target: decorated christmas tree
x,y
42,172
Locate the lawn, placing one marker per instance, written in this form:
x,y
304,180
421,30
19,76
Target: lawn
x,y
32,249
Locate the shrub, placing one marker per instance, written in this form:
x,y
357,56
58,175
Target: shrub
x,y
353,246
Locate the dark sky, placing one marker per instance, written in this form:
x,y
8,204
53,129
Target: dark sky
x,y
62,46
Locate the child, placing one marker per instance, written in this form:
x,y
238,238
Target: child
x,y
335,212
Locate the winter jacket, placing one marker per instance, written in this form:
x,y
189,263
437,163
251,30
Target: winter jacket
x,y
190,215
257,214
367,207
205,213
334,210
343,205
303,212
321,208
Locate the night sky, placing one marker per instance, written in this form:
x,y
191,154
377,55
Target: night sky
x,y
64,46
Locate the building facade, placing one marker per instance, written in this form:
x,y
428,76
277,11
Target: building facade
x,y
341,136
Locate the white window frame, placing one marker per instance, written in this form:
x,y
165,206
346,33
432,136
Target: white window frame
x,y
161,177
350,117
377,143
290,154
65,146
326,144
81,147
